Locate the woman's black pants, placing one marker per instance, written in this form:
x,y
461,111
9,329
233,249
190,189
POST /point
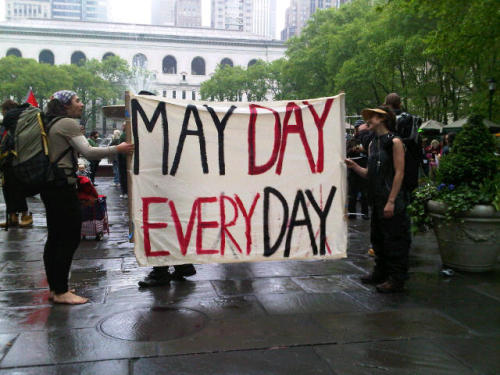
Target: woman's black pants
x,y
391,241
64,223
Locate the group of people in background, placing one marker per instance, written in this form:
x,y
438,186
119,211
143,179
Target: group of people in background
x,y
433,151
119,162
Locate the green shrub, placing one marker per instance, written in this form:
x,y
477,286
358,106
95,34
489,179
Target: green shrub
x,y
467,176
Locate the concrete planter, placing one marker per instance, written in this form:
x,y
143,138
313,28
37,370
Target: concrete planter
x,y
472,245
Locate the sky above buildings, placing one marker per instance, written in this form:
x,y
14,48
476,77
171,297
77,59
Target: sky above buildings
x,y
139,11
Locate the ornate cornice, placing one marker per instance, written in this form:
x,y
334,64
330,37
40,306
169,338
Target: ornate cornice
x,y
137,37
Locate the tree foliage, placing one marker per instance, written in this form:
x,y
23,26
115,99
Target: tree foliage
x,y
438,55
96,83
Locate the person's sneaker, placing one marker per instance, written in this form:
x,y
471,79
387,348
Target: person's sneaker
x,y
372,279
155,279
391,286
26,220
182,271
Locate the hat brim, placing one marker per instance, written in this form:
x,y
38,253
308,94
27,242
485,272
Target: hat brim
x,y
368,113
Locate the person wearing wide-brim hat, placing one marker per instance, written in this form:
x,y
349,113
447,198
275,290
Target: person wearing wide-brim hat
x,y
390,225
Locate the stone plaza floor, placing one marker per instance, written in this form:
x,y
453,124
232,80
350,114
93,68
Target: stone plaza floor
x,y
274,318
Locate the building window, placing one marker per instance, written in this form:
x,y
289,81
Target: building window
x,y
78,58
46,57
14,52
174,94
198,66
183,94
164,93
252,62
169,65
193,95
183,77
140,61
226,62
108,55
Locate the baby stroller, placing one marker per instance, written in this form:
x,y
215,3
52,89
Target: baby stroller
x,y
94,210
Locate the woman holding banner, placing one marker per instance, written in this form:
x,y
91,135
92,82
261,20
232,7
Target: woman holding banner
x,y
60,195
390,225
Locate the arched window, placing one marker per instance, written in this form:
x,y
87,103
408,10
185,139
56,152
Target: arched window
x,y
227,62
78,58
46,57
252,62
140,61
198,66
108,55
14,52
169,65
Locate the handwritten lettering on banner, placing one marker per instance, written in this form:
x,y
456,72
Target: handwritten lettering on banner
x,y
237,182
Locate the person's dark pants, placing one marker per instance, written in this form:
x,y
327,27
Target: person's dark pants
x,y
390,240
15,200
64,224
122,168
94,164
357,185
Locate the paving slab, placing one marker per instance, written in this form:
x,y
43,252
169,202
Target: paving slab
x,y
402,357
84,368
308,303
71,345
387,325
258,286
303,361
240,333
480,353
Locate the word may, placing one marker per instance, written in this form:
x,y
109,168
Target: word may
x,y
226,220
279,132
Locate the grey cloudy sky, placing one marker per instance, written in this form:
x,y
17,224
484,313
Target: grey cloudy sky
x,y
139,11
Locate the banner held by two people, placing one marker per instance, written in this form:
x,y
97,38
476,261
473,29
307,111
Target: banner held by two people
x,y
237,182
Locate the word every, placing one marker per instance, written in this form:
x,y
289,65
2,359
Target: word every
x,y
228,219
280,134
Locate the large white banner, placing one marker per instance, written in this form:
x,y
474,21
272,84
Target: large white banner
x,y
237,182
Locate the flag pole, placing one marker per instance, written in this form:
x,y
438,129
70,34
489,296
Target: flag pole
x,y
128,138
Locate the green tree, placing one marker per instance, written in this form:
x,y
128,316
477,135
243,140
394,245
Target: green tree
x,y
17,75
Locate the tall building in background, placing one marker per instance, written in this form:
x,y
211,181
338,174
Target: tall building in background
x,y
300,11
77,10
188,13
163,12
176,13
264,18
80,10
18,9
253,16
232,15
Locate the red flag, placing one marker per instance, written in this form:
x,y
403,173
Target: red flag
x,y
31,99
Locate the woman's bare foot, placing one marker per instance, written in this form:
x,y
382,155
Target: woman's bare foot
x,y
69,298
51,294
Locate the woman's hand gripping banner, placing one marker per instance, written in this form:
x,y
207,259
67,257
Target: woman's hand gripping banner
x,y
237,182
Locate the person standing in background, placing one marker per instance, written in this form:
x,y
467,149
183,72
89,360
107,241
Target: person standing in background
x,y
115,141
94,164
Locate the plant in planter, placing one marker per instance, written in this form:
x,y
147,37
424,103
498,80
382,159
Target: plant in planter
x,y
463,204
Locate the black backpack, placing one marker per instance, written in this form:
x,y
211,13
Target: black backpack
x,y
407,126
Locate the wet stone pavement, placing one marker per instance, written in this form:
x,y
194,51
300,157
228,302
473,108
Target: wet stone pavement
x,y
278,318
